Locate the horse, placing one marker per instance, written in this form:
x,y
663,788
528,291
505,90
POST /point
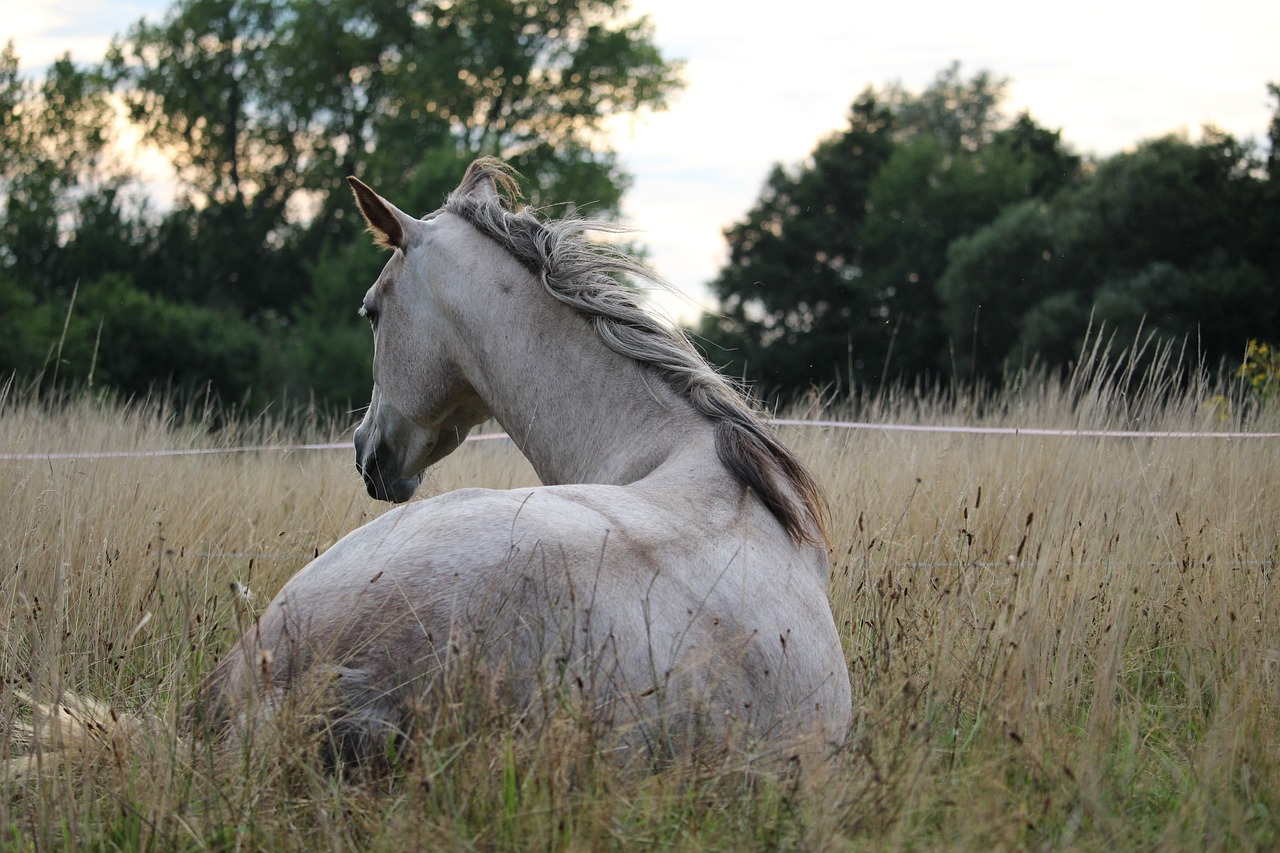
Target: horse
x,y
671,573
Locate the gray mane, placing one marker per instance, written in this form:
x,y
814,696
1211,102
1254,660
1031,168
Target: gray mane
x,y
581,274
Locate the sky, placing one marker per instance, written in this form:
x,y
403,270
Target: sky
x,y
766,81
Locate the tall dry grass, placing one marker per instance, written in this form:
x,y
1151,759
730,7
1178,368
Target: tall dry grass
x,y
1054,642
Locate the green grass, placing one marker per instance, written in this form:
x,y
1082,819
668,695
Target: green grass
x,y
1054,643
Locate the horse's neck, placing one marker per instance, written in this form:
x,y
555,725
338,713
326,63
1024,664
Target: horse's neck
x,y
597,436
580,412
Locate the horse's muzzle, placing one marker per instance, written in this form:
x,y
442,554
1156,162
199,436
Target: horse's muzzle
x,y
385,487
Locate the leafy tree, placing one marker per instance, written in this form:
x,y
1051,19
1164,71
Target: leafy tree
x,y
52,139
332,348
1165,238
27,332
834,272
137,342
1268,224
789,296
53,134
199,84
266,105
204,85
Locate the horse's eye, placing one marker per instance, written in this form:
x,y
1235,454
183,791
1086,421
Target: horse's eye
x,y
370,314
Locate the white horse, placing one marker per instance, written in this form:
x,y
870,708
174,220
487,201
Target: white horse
x,y
671,575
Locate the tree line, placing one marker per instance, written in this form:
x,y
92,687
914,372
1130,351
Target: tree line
x,y
936,238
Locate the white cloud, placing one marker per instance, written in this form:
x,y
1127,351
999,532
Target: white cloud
x,y
44,31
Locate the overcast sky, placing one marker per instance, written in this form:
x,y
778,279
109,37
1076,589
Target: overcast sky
x,y
765,81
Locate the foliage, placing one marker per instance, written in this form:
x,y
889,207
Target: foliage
x,y
834,272
1260,370
334,348
28,330
52,141
1163,239
269,104
110,333
938,238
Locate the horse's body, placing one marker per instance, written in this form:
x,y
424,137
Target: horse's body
x,y
671,574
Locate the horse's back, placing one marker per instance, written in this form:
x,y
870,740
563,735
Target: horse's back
x,y
655,609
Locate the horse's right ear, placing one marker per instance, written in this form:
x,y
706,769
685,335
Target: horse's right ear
x,y
382,217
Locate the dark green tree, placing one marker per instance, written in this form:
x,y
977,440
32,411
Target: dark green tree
x,y
1166,238
833,275
53,184
52,140
1269,224
139,343
791,300
206,86
266,105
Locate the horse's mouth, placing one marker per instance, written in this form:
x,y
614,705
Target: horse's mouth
x,y
396,492
384,488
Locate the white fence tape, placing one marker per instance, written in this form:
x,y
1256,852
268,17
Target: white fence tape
x,y
977,430
860,425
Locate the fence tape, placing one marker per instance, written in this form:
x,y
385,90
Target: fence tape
x,y
858,425
977,430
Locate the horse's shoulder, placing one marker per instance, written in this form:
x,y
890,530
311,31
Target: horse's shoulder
x,y
580,522
537,505
534,505
475,515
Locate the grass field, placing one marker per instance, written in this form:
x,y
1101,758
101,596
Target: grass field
x,y
1055,642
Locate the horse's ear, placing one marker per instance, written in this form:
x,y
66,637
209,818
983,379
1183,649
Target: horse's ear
x,y
381,215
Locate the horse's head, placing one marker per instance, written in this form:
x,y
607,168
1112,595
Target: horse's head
x,y
422,407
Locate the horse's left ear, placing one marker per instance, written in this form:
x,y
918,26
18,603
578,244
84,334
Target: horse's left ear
x,y
489,179
382,216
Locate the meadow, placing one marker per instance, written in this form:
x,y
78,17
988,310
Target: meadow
x,y
1055,642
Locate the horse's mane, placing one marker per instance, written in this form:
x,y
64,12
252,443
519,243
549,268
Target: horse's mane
x,y
582,274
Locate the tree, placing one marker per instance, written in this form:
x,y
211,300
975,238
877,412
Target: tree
x,y
52,139
1165,238
1269,223
205,84
789,296
139,343
833,274
264,106
261,100
267,105
53,134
